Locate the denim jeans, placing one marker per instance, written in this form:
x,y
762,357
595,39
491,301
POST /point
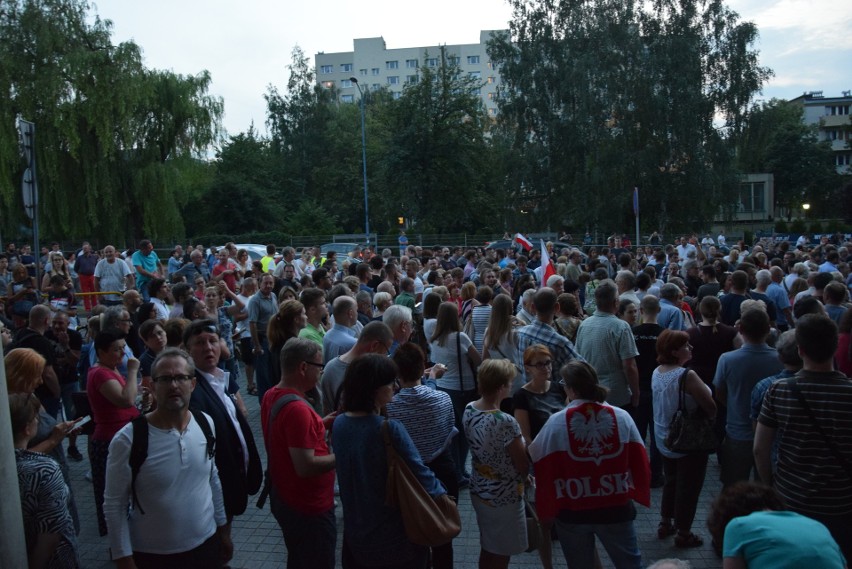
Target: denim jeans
x,y
311,540
619,540
459,446
261,368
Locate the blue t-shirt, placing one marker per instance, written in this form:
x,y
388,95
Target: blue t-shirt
x,y
781,540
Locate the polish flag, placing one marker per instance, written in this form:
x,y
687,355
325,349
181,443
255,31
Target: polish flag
x,y
547,268
525,243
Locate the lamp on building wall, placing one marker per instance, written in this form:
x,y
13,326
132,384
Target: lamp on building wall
x,y
364,160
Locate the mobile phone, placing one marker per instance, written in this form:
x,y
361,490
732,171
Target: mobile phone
x,y
79,423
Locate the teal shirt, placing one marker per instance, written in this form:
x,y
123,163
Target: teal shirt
x,y
781,540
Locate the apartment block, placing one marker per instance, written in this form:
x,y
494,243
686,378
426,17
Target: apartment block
x,y
375,66
831,114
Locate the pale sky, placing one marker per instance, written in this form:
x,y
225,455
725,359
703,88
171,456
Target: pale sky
x,y
246,45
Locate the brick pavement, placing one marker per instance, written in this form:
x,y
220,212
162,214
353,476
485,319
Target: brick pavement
x,y
258,543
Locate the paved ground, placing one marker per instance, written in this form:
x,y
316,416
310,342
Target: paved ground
x,y
258,543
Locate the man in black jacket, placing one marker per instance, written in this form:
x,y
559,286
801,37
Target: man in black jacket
x,y
216,394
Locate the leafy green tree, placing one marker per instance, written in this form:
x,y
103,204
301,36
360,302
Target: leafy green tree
x,y
606,95
117,144
436,153
776,140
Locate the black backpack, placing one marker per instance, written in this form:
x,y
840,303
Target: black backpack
x,y
139,447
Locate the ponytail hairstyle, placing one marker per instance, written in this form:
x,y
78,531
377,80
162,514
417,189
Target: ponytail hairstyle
x,y
581,377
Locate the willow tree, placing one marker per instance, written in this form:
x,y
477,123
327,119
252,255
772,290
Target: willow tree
x,y
115,141
605,95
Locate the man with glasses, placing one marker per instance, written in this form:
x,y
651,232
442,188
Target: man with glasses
x,y
177,486
301,467
216,394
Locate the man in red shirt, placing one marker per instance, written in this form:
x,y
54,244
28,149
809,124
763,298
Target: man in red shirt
x,y
226,270
301,467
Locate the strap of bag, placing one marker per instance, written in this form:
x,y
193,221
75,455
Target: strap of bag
x,y
794,385
138,454
458,355
204,424
273,413
681,403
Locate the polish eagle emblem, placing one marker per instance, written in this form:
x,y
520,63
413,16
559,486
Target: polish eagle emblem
x,y
593,433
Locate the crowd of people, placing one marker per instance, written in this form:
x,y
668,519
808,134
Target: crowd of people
x,y
538,380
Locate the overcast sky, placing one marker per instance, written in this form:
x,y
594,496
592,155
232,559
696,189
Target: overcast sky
x,y
247,45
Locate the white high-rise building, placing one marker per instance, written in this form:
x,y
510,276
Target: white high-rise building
x,y
376,66
832,115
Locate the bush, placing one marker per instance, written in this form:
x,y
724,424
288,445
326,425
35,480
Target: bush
x,y
798,227
816,227
781,226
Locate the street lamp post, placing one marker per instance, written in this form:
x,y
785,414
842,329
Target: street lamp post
x,y
364,160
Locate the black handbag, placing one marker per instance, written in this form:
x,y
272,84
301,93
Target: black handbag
x,y
690,431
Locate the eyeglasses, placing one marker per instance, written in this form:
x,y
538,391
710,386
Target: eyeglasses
x,y
315,364
171,379
542,365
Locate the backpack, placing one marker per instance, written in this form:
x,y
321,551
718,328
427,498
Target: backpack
x,y
280,403
139,448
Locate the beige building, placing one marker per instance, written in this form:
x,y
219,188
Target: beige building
x,y
832,116
375,66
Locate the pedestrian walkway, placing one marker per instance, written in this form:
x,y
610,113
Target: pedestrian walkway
x,y
258,543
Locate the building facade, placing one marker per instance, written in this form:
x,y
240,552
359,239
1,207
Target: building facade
x,y
831,115
374,66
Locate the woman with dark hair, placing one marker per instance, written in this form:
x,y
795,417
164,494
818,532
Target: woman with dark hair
x,y
373,532
113,405
500,466
286,324
752,529
427,415
593,442
480,315
568,314
147,311
627,311
45,496
684,472
452,348
710,339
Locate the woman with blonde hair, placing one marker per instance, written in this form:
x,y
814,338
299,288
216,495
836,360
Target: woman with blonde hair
x,y
58,266
501,342
468,299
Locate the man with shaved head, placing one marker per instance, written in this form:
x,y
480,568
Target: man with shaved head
x,y
341,337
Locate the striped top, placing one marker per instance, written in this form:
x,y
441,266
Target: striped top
x,y
809,477
427,415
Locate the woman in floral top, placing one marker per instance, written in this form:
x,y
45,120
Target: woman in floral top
x,y
499,467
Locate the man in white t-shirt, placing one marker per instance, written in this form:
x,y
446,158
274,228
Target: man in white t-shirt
x,y
112,274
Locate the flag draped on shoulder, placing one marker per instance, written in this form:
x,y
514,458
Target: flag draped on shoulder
x,y
523,241
589,456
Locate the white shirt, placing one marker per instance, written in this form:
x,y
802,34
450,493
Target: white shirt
x,y
162,309
242,326
218,380
178,486
721,240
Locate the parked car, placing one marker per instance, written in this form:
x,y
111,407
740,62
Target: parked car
x,y
342,249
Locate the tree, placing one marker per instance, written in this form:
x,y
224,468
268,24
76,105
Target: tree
x,y
606,95
776,140
436,153
117,144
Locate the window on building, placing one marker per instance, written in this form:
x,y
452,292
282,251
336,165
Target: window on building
x,y
344,83
347,98
491,79
396,95
393,80
432,62
392,64
490,96
328,84
492,112
362,72
475,75
326,69
490,65
346,68
453,60
837,110
411,63
842,159
375,71
410,79
473,60
376,86
752,197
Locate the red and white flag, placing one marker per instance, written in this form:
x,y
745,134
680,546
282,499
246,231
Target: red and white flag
x,y
547,267
525,243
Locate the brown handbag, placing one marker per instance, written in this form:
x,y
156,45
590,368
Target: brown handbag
x,y
428,521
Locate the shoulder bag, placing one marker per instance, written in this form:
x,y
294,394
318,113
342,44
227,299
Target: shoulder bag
x,y
690,431
428,521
